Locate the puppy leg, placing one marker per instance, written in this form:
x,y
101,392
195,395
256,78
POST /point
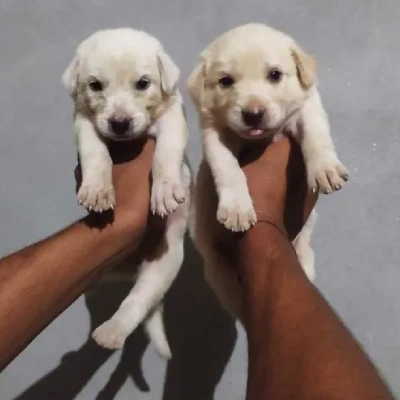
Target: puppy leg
x,y
154,279
304,251
324,170
171,132
235,208
223,280
96,192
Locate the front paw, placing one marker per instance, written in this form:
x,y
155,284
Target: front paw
x,y
236,211
326,174
96,197
166,195
110,335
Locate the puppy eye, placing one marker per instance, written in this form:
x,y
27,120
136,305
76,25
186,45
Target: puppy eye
x,y
275,75
96,86
143,83
226,81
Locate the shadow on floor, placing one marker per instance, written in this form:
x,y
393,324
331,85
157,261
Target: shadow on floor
x,y
201,335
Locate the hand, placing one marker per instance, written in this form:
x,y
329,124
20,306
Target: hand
x,y
276,178
131,178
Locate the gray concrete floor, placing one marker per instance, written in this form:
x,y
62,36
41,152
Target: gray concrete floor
x,y
357,44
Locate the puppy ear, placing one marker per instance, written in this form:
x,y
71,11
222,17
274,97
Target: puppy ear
x,y
70,76
196,84
169,72
306,67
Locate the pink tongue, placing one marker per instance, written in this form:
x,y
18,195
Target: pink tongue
x,y
255,132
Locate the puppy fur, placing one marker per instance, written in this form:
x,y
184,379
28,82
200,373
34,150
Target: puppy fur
x,y
253,82
124,86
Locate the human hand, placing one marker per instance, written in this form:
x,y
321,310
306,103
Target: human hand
x,y
277,183
131,178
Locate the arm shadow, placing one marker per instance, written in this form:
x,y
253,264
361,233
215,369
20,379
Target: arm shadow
x,y
201,335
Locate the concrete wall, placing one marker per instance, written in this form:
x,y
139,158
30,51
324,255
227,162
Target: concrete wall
x,y
356,241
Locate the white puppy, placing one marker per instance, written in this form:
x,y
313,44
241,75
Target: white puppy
x,y
254,82
124,86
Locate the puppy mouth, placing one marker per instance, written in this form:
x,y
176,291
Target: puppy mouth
x,y
258,133
255,132
127,136
121,138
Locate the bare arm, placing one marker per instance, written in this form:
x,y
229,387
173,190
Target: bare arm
x,y
298,348
40,281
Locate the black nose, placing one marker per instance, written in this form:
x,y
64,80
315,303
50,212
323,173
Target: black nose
x,y
120,125
253,117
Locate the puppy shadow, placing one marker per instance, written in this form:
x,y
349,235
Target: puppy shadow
x,y
201,335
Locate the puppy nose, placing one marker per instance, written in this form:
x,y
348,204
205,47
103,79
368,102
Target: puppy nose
x,y
120,125
253,116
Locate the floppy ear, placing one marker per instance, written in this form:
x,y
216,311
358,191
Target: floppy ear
x,y
169,72
196,84
70,76
306,67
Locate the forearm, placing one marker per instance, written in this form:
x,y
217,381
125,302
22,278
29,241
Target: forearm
x,y
40,281
298,348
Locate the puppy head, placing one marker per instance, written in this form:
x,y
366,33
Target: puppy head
x,y
252,79
121,79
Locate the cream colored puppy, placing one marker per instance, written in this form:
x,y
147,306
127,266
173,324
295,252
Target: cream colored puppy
x,y
254,82
124,86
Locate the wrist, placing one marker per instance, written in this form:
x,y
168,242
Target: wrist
x,y
259,241
132,222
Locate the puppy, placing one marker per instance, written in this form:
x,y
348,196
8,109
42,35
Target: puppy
x,y
254,83
124,86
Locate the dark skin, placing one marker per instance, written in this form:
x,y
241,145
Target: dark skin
x,y
38,282
298,348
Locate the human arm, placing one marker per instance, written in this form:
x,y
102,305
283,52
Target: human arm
x,y
298,347
40,281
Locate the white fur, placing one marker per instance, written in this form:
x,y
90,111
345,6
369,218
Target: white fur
x,y
167,192
248,54
154,279
118,59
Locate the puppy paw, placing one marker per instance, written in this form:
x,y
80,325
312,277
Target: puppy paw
x,y
326,174
166,195
96,197
236,212
110,335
